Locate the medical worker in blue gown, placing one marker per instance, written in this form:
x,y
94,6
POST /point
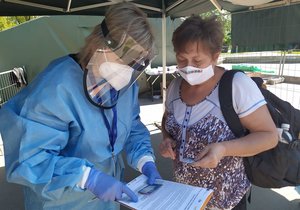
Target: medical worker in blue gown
x,y
64,133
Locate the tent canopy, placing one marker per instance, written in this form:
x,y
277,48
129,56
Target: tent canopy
x,y
154,8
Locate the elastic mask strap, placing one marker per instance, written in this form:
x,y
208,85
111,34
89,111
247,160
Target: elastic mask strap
x,y
105,56
104,28
109,41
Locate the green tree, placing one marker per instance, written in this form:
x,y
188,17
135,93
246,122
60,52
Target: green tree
x,y
225,19
9,22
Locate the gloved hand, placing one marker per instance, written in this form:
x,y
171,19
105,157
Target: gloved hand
x,y
106,187
149,169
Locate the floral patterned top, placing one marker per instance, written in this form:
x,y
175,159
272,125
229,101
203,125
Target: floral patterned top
x,y
194,127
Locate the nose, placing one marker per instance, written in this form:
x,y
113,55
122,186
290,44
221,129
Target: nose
x,y
190,63
185,63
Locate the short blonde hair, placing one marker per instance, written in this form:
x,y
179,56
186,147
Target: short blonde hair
x,y
119,18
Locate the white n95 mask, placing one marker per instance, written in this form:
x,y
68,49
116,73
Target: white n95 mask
x,y
196,76
117,75
114,67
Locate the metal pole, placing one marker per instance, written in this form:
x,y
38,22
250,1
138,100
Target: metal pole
x,y
280,63
164,57
217,5
283,62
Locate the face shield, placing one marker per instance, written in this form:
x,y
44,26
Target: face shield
x,y
114,69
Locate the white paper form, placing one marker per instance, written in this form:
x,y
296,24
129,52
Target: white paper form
x,y
166,195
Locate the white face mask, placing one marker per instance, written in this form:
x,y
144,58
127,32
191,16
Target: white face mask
x,y
117,75
196,76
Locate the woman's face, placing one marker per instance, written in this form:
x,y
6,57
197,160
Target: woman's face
x,y
196,55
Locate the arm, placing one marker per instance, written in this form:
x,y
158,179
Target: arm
x,y
163,129
138,145
166,146
263,136
34,137
254,116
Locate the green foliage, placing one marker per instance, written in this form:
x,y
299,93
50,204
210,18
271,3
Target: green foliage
x,y
9,22
225,19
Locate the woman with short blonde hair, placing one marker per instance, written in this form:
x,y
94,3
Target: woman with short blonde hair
x,y
71,124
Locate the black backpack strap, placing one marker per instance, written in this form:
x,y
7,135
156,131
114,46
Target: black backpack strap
x,y
225,97
230,116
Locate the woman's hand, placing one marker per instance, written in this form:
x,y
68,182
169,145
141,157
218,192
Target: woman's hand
x,y
166,148
210,156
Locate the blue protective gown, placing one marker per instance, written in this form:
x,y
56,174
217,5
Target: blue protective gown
x,y
51,131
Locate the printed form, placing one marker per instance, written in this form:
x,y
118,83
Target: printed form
x,y
164,195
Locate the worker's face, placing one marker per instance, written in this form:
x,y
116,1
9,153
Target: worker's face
x,y
112,69
195,63
197,55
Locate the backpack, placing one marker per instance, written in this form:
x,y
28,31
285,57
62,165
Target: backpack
x,y
277,167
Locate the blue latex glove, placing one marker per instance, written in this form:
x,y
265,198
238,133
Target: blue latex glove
x,y
149,169
106,187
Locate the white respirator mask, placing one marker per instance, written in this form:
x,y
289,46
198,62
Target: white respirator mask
x,y
196,76
117,75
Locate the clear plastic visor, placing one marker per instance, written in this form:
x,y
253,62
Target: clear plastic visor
x,y
113,69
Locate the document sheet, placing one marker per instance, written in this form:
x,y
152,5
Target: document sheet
x,y
164,195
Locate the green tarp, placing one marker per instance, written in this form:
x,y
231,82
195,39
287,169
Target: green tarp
x,y
34,44
266,30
